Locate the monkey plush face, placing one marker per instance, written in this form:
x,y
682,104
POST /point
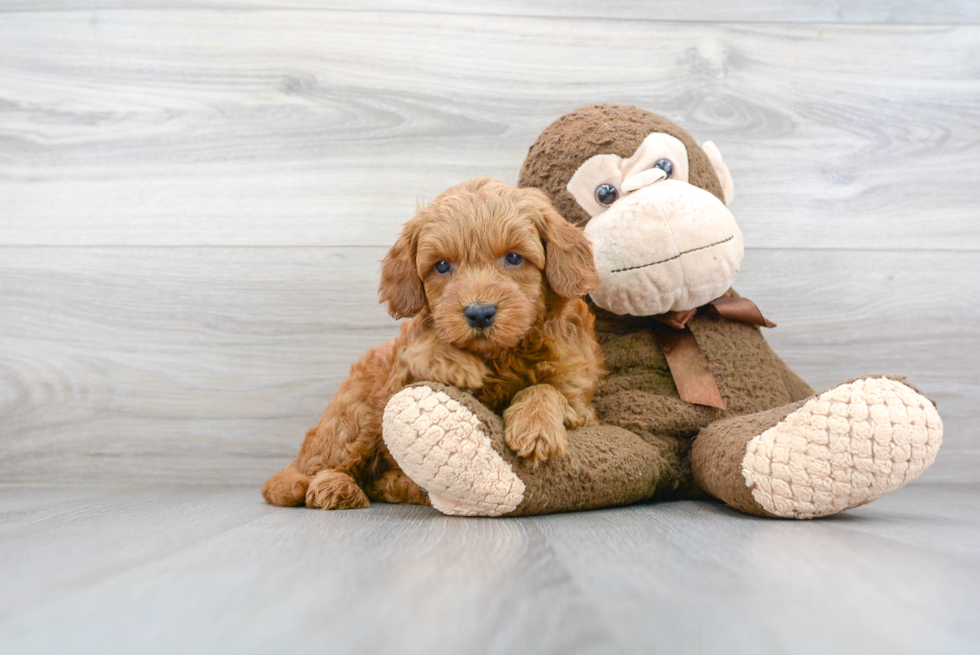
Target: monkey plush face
x,y
653,205
660,243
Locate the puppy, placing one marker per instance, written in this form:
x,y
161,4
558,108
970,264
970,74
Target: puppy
x,y
492,278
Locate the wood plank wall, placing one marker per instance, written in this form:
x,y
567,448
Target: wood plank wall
x,y
195,195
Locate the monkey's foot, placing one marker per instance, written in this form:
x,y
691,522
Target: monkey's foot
x,y
836,450
446,449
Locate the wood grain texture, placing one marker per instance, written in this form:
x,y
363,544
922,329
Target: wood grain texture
x,y
208,364
305,127
82,534
766,11
194,196
188,569
170,361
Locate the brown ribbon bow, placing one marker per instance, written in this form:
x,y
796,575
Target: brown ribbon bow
x,y
686,360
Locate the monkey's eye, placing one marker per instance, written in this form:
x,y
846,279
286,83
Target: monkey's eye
x,y
666,166
442,267
513,259
606,194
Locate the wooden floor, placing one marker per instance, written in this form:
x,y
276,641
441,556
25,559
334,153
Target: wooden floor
x,y
169,569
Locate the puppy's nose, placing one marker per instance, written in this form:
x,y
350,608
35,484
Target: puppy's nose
x,y
480,316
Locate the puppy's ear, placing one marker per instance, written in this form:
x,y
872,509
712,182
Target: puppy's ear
x,y
401,286
569,266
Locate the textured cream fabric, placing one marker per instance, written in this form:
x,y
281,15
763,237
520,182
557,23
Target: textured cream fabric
x,y
845,447
721,170
443,448
614,170
669,246
664,245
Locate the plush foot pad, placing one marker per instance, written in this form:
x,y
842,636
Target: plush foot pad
x,y
843,448
444,448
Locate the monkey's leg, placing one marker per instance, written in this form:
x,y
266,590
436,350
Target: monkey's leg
x,y
835,450
454,448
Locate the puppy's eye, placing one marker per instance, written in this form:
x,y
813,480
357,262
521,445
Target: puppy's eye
x,y
666,166
442,267
606,194
513,259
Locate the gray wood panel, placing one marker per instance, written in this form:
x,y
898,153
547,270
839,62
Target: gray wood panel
x,y
717,578
107,529
309,127
208,364
194,195
766,11
193,569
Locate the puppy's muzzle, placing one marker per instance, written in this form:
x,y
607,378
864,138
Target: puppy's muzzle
x,y
479,315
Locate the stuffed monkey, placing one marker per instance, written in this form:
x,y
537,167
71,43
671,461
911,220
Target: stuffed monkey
x,y
695,403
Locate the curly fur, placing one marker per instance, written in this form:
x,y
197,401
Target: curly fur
x,y
539,360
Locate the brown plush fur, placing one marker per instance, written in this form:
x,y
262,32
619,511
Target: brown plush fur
x,y
639,393
595,130
538,360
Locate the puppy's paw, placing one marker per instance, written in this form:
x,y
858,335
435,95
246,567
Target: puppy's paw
x,y
332,489
395,487
535,433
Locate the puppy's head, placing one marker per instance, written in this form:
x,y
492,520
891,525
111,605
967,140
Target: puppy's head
x,y
484,258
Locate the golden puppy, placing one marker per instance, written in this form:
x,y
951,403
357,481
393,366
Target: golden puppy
x,y
492,277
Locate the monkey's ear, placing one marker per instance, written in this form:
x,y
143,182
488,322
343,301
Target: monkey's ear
x,y
721,170
401,286
569,265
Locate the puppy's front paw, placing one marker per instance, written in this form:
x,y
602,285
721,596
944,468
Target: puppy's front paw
x,y
534,433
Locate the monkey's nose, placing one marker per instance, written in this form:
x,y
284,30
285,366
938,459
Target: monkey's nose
x,y
479,315
644,178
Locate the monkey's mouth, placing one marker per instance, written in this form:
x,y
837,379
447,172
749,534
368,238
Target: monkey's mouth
x,y
670,259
